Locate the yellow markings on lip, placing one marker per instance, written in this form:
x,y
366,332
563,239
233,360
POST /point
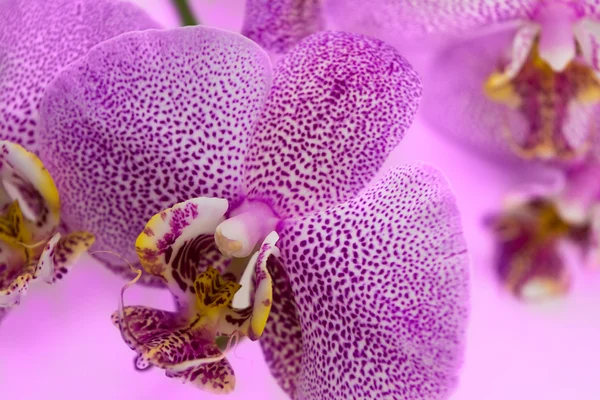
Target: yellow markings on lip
x,y
13,230
213,293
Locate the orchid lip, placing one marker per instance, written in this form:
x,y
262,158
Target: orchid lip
x,y
184,342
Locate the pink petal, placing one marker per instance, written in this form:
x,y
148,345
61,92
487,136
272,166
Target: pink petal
x,y
418,17
39,38
278,25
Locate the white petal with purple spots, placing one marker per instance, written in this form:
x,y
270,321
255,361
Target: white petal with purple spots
x,y
380,285
339,104
39,38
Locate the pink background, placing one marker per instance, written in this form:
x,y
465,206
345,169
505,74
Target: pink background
x,y
60,343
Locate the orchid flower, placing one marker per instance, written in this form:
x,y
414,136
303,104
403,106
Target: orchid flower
x,y
369,286
539,229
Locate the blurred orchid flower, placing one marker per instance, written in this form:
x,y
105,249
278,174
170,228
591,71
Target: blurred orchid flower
x,y
543,229
369,292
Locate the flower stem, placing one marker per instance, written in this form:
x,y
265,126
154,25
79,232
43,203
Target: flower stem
x,y
186,15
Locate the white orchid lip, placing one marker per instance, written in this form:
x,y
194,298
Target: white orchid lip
x,y
248,225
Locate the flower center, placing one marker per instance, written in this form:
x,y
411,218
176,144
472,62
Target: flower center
x,y
530,260
552,86
247,226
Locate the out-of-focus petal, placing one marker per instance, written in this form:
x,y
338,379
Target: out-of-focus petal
x,y
278,25
580,191
587,33
281,340
39,38
146,120
418,17
454,102
3,313
591,7
177,245
381,287
339,104
522,45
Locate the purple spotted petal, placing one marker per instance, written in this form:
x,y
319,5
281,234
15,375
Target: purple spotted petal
x,y
147,120
217,377
417,17
381,287
39,38
278,25
166,340
591,7
588,37
339,104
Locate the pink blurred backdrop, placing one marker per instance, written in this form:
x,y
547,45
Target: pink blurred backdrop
x,y
60,344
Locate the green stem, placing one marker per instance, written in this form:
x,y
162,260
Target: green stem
x,y
186,15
